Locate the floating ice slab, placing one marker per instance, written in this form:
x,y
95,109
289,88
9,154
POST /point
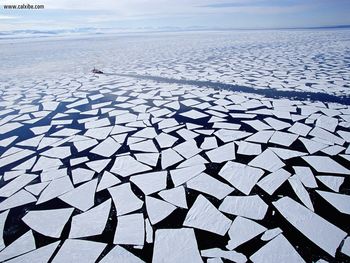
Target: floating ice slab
x,y
326,136
305,175
91,222
286,154
3,217
106,148
187,149
16,184
197,159
273,181
78,160
45,163
334,150
58,152
312,146
247,206
147,146
81,175
332,182
107,180
9,127
98,165
268,160
311,225
260,137
283,138
207,184
241,176
56,188
15,157
222,153
167,123
124,199
32,142
300,129
243,230
48,222
276,251
148,158
194,114
23,244
79,251
182,175
247,148
130,230
340,201
301,192
157,209
205,216
97,123
327,123
257,125
120,254
175,196
7,141
125,118
345,135
40,255
148,132
65,132
169,158
133,140
231,135
82,197
165,140
175,245
150,183
20,198
187,134
149,231
127,165
271,233
325,164
230,255
85,144
118,129
209,143
277,124
346,247
99,133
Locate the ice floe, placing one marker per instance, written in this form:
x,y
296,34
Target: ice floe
x,y
205,216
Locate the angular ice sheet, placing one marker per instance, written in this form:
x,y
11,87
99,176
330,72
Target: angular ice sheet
x,y
130,230
48,222
91,222
124,199
276,251
247,206
205,216
79,251
175,245
311,225
241,176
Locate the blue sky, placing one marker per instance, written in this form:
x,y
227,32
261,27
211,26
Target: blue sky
x,y
135,14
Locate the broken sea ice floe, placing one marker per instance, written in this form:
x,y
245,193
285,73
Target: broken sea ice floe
x,y
174,245
311,225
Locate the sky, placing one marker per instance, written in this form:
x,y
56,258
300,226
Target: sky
x,y
167,14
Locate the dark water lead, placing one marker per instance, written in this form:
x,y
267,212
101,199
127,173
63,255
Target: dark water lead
x,y
268,92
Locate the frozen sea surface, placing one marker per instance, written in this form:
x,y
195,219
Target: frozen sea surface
x,y
193,147
294,60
